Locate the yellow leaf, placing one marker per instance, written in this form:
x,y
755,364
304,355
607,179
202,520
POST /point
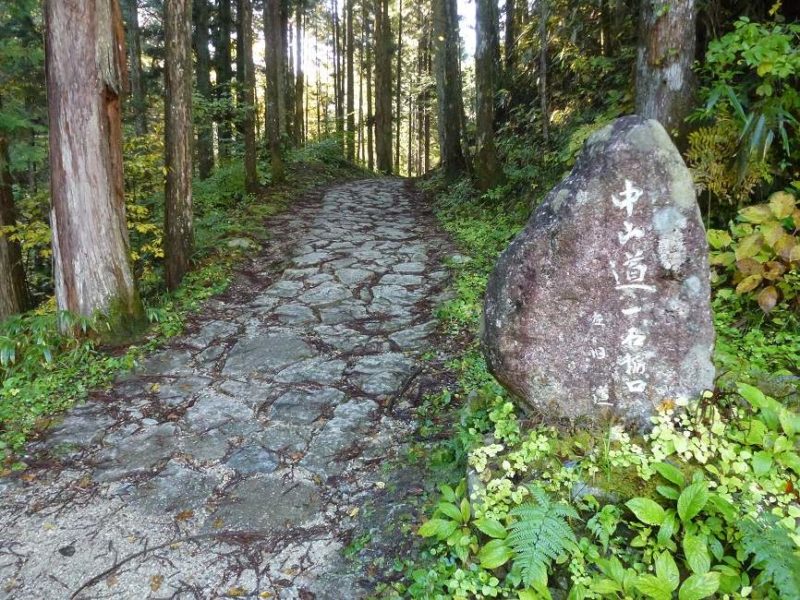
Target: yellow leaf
x,y
353,512
748,284
784,246
749,266
749,246
155,582
768,298
758,213
773,270
772,232
781,204
794,254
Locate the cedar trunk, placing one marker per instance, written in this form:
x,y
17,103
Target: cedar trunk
x,y
224,68
274,63
368,67
488,172
664,80
448,86
205,135
383,87
134,41
248,95
350,140
85,67
13,288
179,234
300,115
398,114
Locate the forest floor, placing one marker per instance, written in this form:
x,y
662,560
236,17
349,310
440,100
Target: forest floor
x,y
258,450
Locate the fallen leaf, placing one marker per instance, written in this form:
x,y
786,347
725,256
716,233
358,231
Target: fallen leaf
x,y
218,523
353,512
155,582
184,515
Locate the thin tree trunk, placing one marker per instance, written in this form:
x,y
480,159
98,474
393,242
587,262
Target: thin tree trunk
x,y
337,74
360,144
205,134
240,74
398,91
368,67
85,65
510,39
350,151
178,229
299,113
222,60
13,287
274,62
383,87
543,15
664,79
287,77
134,41
448,86
248,94
488,172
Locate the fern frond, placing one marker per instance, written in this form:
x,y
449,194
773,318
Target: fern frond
x,y
540,534
774,553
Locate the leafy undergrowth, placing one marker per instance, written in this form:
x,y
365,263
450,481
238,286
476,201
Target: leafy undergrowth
x,y
43,372
707,504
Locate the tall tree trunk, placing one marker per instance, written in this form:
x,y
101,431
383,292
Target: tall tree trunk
x,y
350,151
664,80
360,127
338,104
222,63
274,63
134,41
383,87
205,134
488,172
368,68
398,91
448,86
543,16
287,77
85,67
240,74
13,287
299,113
510,38
248,94
178,229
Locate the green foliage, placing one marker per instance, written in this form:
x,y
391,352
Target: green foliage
x,y
540,535
774,552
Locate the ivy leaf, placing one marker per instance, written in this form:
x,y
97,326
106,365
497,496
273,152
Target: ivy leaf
x,y
646,510
494,553
491,527
671,473
692,500
695,549
697,586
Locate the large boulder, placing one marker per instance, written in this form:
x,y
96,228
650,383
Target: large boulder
x,y
600,306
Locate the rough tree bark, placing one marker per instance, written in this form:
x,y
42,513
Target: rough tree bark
x,y
205,135
664,80
350,149
383,87
398,113
178,230
13,287
488,172
543,16
274,64
510,39
368,76
300,115
85,68
248,95
448,86
134,41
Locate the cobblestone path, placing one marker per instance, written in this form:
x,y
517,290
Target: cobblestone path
x,y
237,461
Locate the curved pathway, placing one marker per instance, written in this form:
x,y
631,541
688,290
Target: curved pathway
x,y
238,461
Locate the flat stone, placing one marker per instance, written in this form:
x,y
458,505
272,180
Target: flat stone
x,y
304,406
600,306
284,437
214,330
343,313
266,505
341,337
295,314
285,288
382,374
252,459
313,370
175,488
213,410
136,454
206,447
81,427
353,276
404,280
415,337
325,294
267,352
312,258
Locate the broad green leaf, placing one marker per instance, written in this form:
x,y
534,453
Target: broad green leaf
x,y
449,509
653,587
697,587
718,239
667,570
790,460
762,462
671,473
751,393
749,246
692,500
465,510
440,528
491,527
605,586
695,549
646,510
758,213
494,554
722,259
668,492
782,204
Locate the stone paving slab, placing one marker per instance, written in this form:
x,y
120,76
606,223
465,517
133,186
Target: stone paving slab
x,y
235,461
